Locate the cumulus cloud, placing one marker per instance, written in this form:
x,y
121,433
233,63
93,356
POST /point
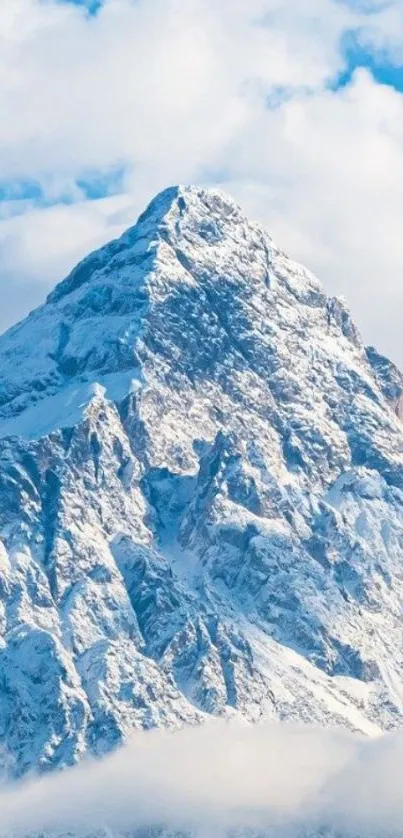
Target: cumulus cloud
x,y
274,778
240,94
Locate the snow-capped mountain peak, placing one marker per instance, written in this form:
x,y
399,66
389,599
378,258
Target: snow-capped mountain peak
x,y
201,493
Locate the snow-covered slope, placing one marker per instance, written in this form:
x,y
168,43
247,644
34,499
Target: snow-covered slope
x,y
201,495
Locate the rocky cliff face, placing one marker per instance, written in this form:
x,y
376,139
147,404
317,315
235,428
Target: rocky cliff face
x,y
201,495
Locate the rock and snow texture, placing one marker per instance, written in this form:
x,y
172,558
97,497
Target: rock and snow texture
x,y
201,495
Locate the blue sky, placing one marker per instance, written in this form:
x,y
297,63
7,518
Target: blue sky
x,y
92,6
295,109
377,62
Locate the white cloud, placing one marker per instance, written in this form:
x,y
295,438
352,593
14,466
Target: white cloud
x,y
179,92
281,779
153,84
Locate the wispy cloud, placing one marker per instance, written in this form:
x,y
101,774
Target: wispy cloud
x,y
279,778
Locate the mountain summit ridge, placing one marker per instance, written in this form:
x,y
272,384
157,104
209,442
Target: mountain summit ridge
x,y
201,495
